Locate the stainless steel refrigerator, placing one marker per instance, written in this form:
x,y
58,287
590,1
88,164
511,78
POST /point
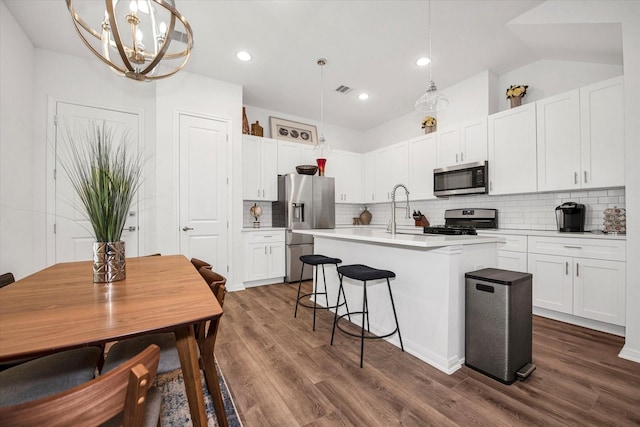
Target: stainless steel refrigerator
x,y
304,202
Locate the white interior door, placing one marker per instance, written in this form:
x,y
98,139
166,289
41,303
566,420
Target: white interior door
x,y
73,233
203,190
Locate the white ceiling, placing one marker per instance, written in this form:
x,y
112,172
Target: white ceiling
x,y
370,46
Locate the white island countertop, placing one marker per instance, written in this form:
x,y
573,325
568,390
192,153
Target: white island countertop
x,y
413,240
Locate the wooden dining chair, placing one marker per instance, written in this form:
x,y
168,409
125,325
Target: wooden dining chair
x,y
6,279
169,359
120,396
43,376
198,264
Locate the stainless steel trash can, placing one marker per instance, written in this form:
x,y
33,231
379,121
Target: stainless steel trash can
x,y
498,323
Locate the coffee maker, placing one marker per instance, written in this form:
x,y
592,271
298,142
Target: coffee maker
x,y
570,217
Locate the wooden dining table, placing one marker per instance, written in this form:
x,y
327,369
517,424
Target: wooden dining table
x,y
60,308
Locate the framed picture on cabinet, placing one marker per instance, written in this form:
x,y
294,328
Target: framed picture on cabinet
x,y
288,130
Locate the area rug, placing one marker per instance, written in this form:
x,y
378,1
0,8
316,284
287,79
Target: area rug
x,y
175,408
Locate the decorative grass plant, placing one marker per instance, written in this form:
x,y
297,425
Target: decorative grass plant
x,y
104,175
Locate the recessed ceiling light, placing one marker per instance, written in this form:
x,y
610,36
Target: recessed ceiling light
x,y
363,96
423,61
243,56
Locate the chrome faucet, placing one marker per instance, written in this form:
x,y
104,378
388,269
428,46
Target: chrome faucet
x,y
393,206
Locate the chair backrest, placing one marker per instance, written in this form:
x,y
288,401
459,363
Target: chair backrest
x,y
217,283
6,279
198,264
92,403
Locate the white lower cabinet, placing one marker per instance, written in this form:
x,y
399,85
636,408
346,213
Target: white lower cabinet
x,y
582,277
512,253
264,260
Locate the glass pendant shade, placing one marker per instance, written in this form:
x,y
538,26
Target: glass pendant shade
x,y
144,40
322,147
431,101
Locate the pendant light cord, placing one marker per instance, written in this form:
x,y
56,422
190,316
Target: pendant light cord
x,y
321,63
429,29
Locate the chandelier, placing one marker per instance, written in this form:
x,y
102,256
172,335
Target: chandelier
x,y
144,40
432,100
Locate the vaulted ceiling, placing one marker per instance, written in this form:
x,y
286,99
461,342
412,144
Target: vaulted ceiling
x,y
370,46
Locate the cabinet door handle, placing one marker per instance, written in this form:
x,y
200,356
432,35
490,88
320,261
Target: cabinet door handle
x,y
456,157
265,250
575,177
577,269
566,268
262,193
572,247
270,248
258,192
462,157
585,177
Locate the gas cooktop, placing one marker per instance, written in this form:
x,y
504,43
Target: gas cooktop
x,y
462,222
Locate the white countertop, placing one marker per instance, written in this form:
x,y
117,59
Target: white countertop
x,y
381,236
551,233
247,229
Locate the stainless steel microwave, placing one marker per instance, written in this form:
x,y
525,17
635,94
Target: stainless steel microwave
x,y
469,178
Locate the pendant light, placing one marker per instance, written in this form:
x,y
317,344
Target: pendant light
x,y
143,40
322,147
432,100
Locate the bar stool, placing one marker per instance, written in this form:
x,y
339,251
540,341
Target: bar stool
x,y
316,260
364,273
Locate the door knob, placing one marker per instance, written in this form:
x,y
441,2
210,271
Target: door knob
x,y
185,228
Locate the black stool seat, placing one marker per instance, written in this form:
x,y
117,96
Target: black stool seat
x,y
315,260
319,259
364,272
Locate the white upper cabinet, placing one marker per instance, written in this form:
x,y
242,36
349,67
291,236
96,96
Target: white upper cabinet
x,y
581,138
422,162
464,143
558,127
369,177
391,168
292,154
259,168
512,151
602,134
346,168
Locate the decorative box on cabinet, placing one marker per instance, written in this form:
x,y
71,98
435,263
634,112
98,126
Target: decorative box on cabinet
x,y
583,277
512,151
264,260
259,168
464,143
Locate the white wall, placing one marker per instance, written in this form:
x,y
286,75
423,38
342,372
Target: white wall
x,y
16,136
189,93
483,94
66,78
338,137
546,78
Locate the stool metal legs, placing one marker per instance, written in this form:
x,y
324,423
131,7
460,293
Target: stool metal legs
x,y
315,294
365,318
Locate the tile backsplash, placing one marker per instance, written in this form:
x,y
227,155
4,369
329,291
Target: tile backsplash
x,y
519,211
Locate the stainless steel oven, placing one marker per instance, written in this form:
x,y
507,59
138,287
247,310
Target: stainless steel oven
x,y
469,178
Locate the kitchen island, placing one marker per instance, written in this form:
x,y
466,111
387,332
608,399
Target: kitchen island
x,y
428,289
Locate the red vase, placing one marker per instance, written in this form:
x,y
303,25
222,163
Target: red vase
x,y
321,163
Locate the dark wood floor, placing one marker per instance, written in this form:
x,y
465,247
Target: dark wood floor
x,y
280,373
